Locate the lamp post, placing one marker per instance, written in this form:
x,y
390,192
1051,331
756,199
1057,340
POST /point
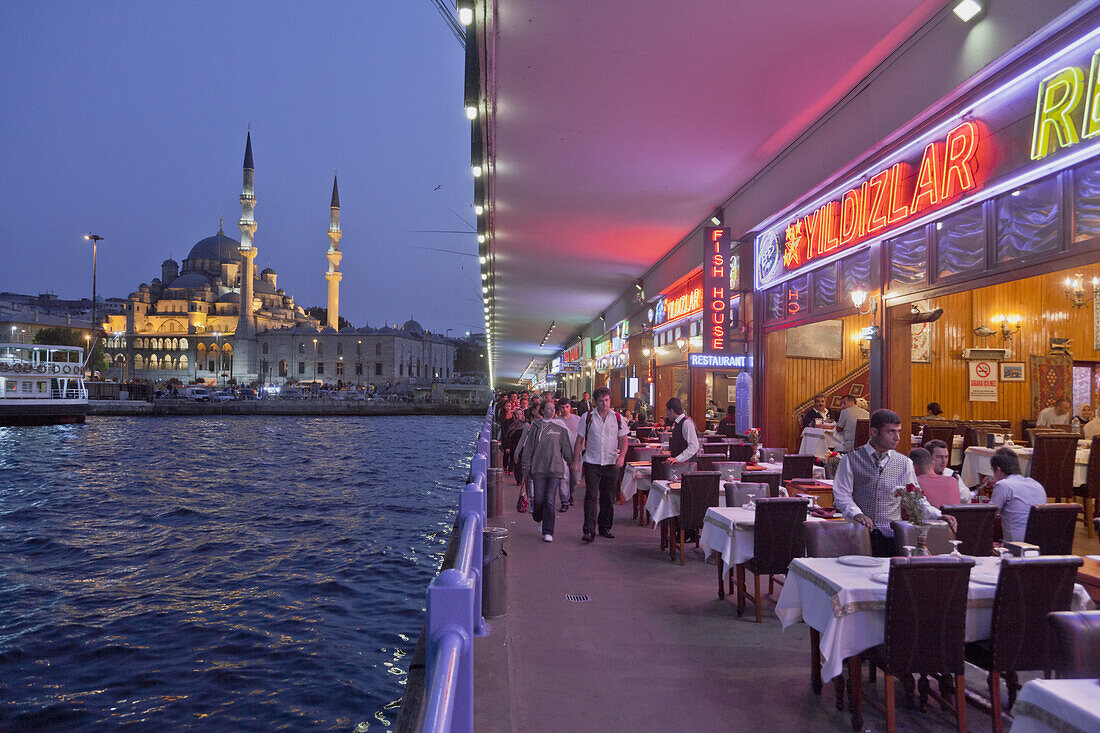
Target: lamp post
x,y
95,239
314,360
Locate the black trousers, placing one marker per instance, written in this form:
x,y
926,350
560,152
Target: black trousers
x,y
600,484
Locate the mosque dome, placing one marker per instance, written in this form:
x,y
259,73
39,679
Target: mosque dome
x,y
217,247
170,262
413,327
267,271
193,279
230,297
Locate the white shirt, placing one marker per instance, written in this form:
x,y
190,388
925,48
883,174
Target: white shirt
x,y
846,426
692,437
842,490
1091,428
572,424
1014,496
601,437
965,495
1047,416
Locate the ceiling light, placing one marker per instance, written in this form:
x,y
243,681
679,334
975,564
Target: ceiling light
x,y
481,239
476,170
465,12
485,290
482,259
968,10
715,220
479,209
471,112
484,276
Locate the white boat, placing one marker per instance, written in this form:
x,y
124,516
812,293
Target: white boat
x,y
42,384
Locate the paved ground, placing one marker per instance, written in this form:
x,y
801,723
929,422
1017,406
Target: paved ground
x,y
654,648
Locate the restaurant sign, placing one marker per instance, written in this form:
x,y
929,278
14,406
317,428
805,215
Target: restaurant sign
x,y
983,381
716,288
683,302
718,361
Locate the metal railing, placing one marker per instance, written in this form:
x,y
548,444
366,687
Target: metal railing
x,y
454,609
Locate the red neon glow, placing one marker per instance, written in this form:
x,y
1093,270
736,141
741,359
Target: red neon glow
x,y
947,169
715,286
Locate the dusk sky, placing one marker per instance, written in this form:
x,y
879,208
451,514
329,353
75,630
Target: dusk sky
x,y
128,119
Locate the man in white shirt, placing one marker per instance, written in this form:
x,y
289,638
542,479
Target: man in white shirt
x,y
572,424
850,413
1091,428
1059,414
940,457
1013,494
863,490
684,442
601,442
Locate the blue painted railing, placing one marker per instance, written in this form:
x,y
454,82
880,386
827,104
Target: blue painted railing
x,y
454,609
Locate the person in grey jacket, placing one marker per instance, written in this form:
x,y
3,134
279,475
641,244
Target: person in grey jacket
x,y
545,447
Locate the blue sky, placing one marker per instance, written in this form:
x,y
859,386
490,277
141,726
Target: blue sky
x,y
129,118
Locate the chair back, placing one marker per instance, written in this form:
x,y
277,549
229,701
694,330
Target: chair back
x,y
1077,643
1052,464
926,615
698,492
970,437
1051,527
657,463
1028,589
727,430
946,433
836,539
976,525
939,490
863,431
1092,475
772,455
741,453
797,466
938,542
645,452
706,461
770,478
730,470
713,439
778,535
643,433
676,471
737,492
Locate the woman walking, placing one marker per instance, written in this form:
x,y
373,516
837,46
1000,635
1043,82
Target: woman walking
x,y
545,448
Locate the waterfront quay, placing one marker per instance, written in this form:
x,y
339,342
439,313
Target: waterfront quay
x,y
313,408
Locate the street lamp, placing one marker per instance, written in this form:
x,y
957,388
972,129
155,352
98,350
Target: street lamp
x,y
314,360
95,239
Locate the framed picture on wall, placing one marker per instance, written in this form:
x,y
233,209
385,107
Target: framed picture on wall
x,y
1012,371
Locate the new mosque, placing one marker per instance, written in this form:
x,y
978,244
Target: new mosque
x,y
214,319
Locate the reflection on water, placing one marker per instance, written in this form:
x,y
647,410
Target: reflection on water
x,y
219,574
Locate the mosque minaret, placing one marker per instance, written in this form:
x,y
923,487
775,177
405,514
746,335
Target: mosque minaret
x,y
245,335
333,275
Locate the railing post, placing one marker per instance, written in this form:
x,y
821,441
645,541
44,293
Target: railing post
x,y
471,508
449,704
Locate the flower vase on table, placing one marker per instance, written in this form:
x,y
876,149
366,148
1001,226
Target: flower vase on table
x,y
753,434
912,508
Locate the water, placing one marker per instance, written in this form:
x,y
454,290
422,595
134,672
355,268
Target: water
x,y
248,573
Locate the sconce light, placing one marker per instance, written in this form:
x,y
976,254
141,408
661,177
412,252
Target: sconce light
x,y
646,352
1008,325
1075,290
860,299
864,345
681,343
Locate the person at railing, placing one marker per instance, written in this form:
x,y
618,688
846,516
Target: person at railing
x,y
545,451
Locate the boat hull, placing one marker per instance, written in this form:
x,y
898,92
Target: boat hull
x,y
42,412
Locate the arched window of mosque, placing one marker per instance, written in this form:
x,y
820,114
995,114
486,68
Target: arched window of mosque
x,y
183,361
339,349
265,348
301,348
183,344
139,362
227,349
153,362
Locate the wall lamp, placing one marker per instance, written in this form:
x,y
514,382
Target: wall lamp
x,y
717,217
1075,290
1006,324
865,304
969,10
863,343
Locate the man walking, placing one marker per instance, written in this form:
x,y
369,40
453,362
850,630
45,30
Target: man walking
x,y
601,444
571,478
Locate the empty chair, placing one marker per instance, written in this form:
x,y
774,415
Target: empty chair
x,y
939,537
946,433
706,461
643,433
939,490
1051,527
730,470
1028,588
737,492
1090,491
771,478
976,525
797,466
863,431
778,538
698,492
675,471
924,638
1077,643
727,430
708,439
657,464
772,455
741,453
836,539
1052,464
645,452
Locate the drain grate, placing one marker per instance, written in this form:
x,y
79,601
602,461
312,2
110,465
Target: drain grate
x,y
574,598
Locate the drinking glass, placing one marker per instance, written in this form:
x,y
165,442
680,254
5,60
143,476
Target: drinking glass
x,y
955,548
908,550
1001,551
750,502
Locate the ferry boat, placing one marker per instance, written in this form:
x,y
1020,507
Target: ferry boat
x,y
42,384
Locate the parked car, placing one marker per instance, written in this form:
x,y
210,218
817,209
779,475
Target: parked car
x,y
197,394
221,396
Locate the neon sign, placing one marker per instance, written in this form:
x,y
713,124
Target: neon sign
x,y
1060,94
886,199
716,264
718,361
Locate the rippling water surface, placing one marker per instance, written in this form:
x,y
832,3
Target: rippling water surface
x,y
239,573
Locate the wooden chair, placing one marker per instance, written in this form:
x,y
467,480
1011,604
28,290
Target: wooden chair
x,y
741,453
769,478
976,523
778,538
939,537
1077,643
1051,527
924,638
1052,464
737,492
706,461
772,455
1028,588
797,465
730,470
698,492
863,432
1090,491
946,433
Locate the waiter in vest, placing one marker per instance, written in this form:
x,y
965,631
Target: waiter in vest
x,y
601,440
684,443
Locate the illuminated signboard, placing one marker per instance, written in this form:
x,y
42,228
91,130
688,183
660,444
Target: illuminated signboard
x,y
603,348
683,302
1059,107
571,354
718,361
716,288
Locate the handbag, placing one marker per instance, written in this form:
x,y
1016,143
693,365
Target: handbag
x,y
522,503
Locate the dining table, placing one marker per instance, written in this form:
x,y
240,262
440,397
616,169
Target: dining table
x,y
843,600
976,463
1057,706
636,480
818,441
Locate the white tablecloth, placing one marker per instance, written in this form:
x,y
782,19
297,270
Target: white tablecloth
x,y
663,503
1058,706
729,531
818,442
849,609
635,479
976,463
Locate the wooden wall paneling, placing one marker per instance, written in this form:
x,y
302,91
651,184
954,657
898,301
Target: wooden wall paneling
x,y
774,398
898,345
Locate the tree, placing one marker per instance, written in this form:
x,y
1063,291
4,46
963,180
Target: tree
x,y
57,336
321,314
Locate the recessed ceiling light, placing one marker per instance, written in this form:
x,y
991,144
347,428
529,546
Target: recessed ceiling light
x,y
968,10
